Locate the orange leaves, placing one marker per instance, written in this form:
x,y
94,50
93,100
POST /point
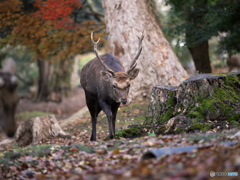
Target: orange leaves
x,y
54,9
49,32
9,11
58,11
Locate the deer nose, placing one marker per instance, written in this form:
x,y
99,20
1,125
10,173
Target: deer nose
x,y
124,101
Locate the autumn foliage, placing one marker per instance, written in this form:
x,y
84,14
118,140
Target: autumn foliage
x,y
48,29
54,9
58,11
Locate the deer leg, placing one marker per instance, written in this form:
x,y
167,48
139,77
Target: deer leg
x,y
114,115
108,111
94,110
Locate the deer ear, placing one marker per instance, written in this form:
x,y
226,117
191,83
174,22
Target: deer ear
x,y
133,74
106,75
9,66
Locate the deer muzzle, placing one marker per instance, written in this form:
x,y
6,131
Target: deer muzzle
x,y
123,101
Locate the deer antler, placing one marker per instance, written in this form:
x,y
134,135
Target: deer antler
x,y
95,50
134,63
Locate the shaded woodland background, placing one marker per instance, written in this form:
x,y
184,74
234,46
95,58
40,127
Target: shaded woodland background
x,y
50,42
47,37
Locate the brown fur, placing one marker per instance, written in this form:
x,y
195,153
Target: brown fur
x,y
121,79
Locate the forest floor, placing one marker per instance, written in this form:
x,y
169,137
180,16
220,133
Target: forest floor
x,y
79,158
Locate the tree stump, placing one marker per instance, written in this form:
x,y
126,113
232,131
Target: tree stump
x,y
202,102
33,130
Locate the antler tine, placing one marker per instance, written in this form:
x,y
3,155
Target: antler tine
x,y
95,50
134,63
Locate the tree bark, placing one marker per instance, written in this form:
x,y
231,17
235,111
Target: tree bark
x,y
200,55
202,102
125,20
34,130
55,79
43,67
198,50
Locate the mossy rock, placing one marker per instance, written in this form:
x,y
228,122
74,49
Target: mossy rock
x,y
133,131
206,100
203,127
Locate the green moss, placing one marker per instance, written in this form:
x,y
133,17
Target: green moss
x,y
233,122
171,108
221,103
195,115
140,118
27,115
179,130
232,79
166,116
170,101
130,132
132,107
160,130
199,126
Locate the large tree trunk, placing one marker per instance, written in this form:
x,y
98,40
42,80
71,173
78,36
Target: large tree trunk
x,y
198,50
43,67
125,20
55,79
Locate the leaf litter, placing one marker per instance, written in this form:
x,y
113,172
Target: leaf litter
x,y
79,158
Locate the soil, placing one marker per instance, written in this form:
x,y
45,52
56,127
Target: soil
x,y
65,109
74,117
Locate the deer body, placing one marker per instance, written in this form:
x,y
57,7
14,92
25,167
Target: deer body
x,y
8,98
106,86
233,62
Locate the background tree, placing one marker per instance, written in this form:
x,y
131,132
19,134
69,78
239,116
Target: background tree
x,y
199,21
125,20
54,30
192,15
223,20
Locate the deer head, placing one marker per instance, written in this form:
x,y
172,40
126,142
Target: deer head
x,y
119,82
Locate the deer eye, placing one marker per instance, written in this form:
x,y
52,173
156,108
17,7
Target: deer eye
x,y
128,85
115,86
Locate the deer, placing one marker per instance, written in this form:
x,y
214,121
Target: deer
x,y
233,62
8,97
106,85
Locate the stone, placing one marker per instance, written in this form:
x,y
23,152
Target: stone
x,y
202,102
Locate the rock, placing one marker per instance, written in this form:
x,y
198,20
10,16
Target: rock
x,y
202,102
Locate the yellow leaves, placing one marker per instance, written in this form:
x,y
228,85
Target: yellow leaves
x,y
116,151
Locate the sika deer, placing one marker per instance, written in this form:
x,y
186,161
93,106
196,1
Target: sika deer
x,y
8,98
233,62
106,85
